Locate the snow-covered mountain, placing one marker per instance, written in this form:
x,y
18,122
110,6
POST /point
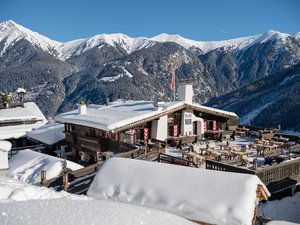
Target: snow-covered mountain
x,y
11,33
58,75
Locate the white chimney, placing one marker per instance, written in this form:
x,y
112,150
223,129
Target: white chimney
x,y
159,105
185,93
82,108
5,147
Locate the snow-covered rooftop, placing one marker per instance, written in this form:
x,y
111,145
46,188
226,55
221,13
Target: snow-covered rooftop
x,y
120,114
29,112
49,134
202,195
27,166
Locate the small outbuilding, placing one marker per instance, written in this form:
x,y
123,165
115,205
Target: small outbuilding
x,y
203,196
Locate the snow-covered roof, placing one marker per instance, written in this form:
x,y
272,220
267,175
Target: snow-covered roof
x,y
121,114
55,208
49,134
27,166
29,112
202,195
20,90
115,115
5,146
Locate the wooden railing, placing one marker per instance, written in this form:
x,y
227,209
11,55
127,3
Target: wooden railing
x,y
213,165
175,160
279,172
274,173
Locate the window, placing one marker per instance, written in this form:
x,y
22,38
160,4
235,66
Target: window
x,y
188,121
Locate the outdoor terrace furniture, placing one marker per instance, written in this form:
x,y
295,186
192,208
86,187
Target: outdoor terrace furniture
x,y
242,131
267,134
280,139
194,157
268,150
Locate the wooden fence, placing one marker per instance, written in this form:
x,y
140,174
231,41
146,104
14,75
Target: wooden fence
x,y
269,174
213,165
274,173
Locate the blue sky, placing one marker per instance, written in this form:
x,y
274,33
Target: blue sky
x,y
64,20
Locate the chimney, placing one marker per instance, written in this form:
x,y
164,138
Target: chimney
x,y
158,105
5,147
185,93
82,108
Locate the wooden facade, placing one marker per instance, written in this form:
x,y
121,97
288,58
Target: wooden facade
x,y
95,142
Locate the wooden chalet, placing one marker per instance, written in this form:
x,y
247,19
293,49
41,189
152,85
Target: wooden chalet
x,y
92,131
16,120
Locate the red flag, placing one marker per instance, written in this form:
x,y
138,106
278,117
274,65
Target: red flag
x,y
173,78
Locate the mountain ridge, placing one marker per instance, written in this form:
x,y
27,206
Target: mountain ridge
x,y
65,50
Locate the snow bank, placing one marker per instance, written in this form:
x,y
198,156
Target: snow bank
x,y
285,209
15,190
202,195
22,204
27,166
69,212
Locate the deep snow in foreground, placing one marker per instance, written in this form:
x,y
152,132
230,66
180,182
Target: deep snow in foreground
x,y
23,204
27,166
67,212
15,190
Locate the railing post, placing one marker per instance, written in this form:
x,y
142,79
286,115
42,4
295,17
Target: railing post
x,y
43,177
66,181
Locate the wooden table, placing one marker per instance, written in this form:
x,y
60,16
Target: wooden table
x,y
242,131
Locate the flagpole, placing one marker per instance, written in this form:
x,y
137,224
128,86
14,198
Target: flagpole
x,y
173,82
174,94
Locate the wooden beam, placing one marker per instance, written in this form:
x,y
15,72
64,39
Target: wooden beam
x,y
261,193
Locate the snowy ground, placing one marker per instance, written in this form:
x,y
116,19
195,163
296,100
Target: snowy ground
x,y
27,166
23,204
287,209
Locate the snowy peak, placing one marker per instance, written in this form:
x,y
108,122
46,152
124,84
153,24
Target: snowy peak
x,y
186,43
204,46
297,36
115,40
11,33
270,35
